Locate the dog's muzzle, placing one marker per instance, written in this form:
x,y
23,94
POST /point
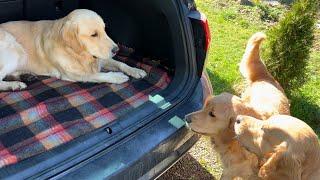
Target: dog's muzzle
x,y
188,119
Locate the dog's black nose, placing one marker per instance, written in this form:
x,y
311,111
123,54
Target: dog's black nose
x,y
238,121
115,50
188,119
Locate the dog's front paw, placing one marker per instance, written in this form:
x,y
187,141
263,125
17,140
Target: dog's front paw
x,y
136,73
117,77
16,85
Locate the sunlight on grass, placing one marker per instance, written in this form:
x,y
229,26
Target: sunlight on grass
x,y
231,26
306,101
208,159
230,31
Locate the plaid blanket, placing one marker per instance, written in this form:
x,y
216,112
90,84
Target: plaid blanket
x,y
52,112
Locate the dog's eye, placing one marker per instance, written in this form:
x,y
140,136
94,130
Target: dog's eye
x,y
211,114
94,34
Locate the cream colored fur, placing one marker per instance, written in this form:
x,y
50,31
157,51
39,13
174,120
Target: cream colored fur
x,y
290,147
264,94
262,98
73,48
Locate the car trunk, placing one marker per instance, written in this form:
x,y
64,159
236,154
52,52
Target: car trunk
x,y
55,123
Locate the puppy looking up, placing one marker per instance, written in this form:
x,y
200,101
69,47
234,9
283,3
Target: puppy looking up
x,y
73,48
290,146
262,98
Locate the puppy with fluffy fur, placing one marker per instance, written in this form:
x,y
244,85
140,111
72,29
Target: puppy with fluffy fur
x,y
73,48
216,121
262,98
263,93
290,146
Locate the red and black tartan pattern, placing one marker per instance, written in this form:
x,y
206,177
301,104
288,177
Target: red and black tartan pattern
x,y
51,112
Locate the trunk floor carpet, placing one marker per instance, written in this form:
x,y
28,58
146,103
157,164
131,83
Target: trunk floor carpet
x,y
51,112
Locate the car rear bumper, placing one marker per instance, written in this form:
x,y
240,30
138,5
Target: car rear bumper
x,y
149,151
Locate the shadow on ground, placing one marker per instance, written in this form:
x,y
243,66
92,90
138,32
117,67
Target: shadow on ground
x,y
303,108
187,168
219,85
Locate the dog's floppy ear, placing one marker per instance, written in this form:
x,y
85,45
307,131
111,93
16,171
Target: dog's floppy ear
x,y
70,35
231,123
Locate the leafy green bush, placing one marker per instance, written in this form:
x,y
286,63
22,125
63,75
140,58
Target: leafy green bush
x,y
289,44
268,13
286,1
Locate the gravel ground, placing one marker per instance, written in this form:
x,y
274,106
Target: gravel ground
x,y
201,162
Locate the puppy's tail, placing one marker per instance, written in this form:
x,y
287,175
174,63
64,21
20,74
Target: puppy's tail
x,y
251,66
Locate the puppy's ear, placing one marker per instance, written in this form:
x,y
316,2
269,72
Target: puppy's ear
x,y
207,100
70,35
232,120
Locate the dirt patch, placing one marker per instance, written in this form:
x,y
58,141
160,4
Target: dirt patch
x,y
201,162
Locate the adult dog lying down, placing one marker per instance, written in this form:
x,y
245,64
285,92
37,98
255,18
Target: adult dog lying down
x,y
290,146
262,98
73,48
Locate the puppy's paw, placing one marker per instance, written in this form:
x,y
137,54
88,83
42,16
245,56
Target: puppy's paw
x,y
16,85
136,73
264,172
117,77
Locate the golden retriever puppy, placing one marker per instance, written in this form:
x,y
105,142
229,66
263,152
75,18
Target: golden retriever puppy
x,y
216,120
264,94
289,144
262,98
73,48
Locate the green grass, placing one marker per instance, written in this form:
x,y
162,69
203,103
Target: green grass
x,y
305,103
231,26
230,31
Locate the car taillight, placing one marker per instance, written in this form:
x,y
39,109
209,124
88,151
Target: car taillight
x,y
201,36
206,29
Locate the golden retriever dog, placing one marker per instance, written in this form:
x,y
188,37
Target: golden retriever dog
x,y
262,98
264,94
290,146
73,48
216,120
